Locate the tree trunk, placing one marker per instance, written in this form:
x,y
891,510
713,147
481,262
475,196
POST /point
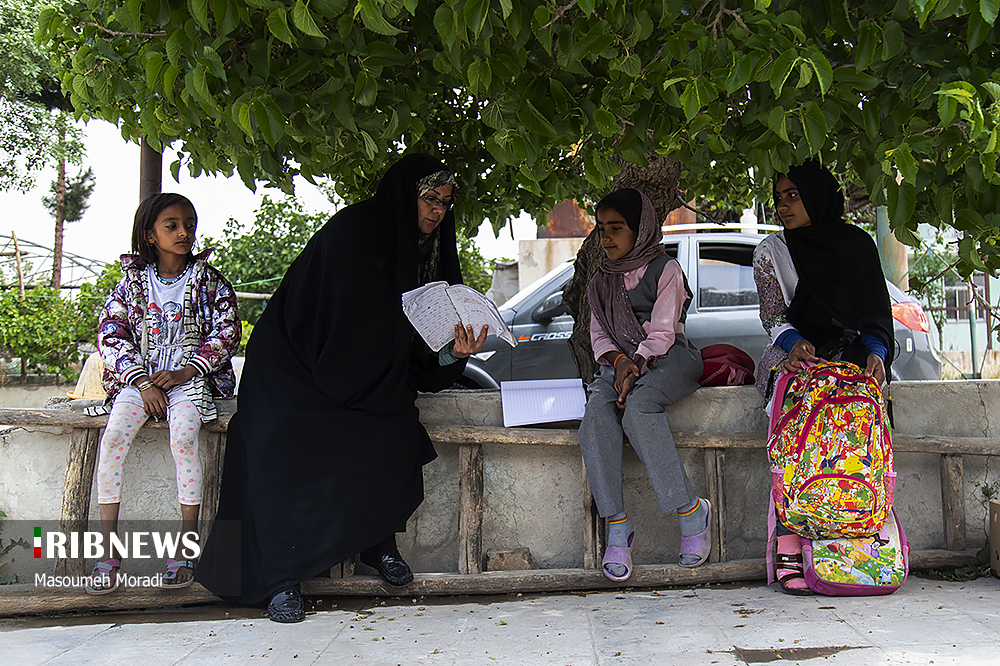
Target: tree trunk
x,y
150,171
659,182
57,246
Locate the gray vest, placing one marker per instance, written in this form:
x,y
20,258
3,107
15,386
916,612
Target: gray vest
x,y
644,295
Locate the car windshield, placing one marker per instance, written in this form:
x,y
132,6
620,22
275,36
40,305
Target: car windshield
x,y
514,301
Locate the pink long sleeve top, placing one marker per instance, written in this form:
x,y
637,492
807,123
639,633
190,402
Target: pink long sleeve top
x,y
664,324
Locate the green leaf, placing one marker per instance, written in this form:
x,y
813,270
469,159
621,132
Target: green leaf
x,y
480,77
781,69
444,24
535,121
199,9
978,30
993,89
988,8
824,72
374,20
214,62
342,110
739,75
902,200
870,114
169,78
303,20
365,89
607,123
277,25
776,121
174,46
905,162
506,6
853,80
226,16
864,53
263,122
370,147
475,15
947,107
690,101
893,40
493,116
814,123
629,64
154,63
201,85
243,118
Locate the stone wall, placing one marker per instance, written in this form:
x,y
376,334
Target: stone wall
x,y
533,494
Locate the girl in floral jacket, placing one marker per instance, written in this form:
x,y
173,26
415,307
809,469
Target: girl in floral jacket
x,y
166,334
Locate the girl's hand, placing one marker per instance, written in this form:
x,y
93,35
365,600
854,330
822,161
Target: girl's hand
x,y
154,401
166,379
626,375
466,342
875,368
802,350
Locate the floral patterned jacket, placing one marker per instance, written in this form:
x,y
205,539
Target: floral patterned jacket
x,y
212,330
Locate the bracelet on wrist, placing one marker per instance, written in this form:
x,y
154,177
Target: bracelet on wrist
x,y
144,385
617,358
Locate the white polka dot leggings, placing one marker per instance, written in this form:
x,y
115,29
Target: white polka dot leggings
x,y
123,425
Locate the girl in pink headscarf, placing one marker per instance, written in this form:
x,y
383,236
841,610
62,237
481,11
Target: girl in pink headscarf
x,y
638,299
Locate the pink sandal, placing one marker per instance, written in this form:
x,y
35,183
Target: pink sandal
x,y
619,555
700,544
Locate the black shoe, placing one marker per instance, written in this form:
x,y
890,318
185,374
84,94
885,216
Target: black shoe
x,y
286,606
393,570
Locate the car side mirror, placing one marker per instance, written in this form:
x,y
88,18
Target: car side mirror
x,y
551,307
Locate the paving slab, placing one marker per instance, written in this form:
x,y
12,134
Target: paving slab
x,y
925,622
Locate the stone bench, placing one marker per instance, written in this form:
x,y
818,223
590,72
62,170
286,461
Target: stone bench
x,y
509,489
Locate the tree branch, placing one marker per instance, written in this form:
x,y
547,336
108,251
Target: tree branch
x,y
115,33
559,14
708,217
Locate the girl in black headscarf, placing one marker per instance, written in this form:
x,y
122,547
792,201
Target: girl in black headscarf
x,y
324,456
822,296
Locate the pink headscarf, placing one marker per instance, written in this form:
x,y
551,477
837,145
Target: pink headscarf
x,y
608,298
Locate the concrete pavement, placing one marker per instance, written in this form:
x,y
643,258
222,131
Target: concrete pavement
x,y
926,622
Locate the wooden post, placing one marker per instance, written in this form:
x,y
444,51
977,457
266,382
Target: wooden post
x,y
77,485
591,525
344,569
953,501
20,273
215,456
715,488
470,508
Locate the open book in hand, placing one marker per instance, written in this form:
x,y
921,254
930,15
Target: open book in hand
x,y
436,307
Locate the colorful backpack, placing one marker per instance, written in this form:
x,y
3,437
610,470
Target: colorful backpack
x,y
726,365
830,453
862,566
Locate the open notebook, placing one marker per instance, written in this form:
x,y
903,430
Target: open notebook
x,y
542,401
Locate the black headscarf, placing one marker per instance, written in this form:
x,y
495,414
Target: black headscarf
x,y
324,456
841,289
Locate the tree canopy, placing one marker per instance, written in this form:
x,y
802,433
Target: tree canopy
x,y
534,101
31,136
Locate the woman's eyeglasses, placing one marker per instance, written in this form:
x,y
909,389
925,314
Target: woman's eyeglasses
x,y
434,202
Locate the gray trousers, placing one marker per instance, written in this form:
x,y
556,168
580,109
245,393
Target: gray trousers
x,y
645,423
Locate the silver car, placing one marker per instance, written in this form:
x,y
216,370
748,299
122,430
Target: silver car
x,y
719,269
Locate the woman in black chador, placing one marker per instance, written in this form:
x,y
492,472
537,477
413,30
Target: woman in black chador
x,y
324,457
